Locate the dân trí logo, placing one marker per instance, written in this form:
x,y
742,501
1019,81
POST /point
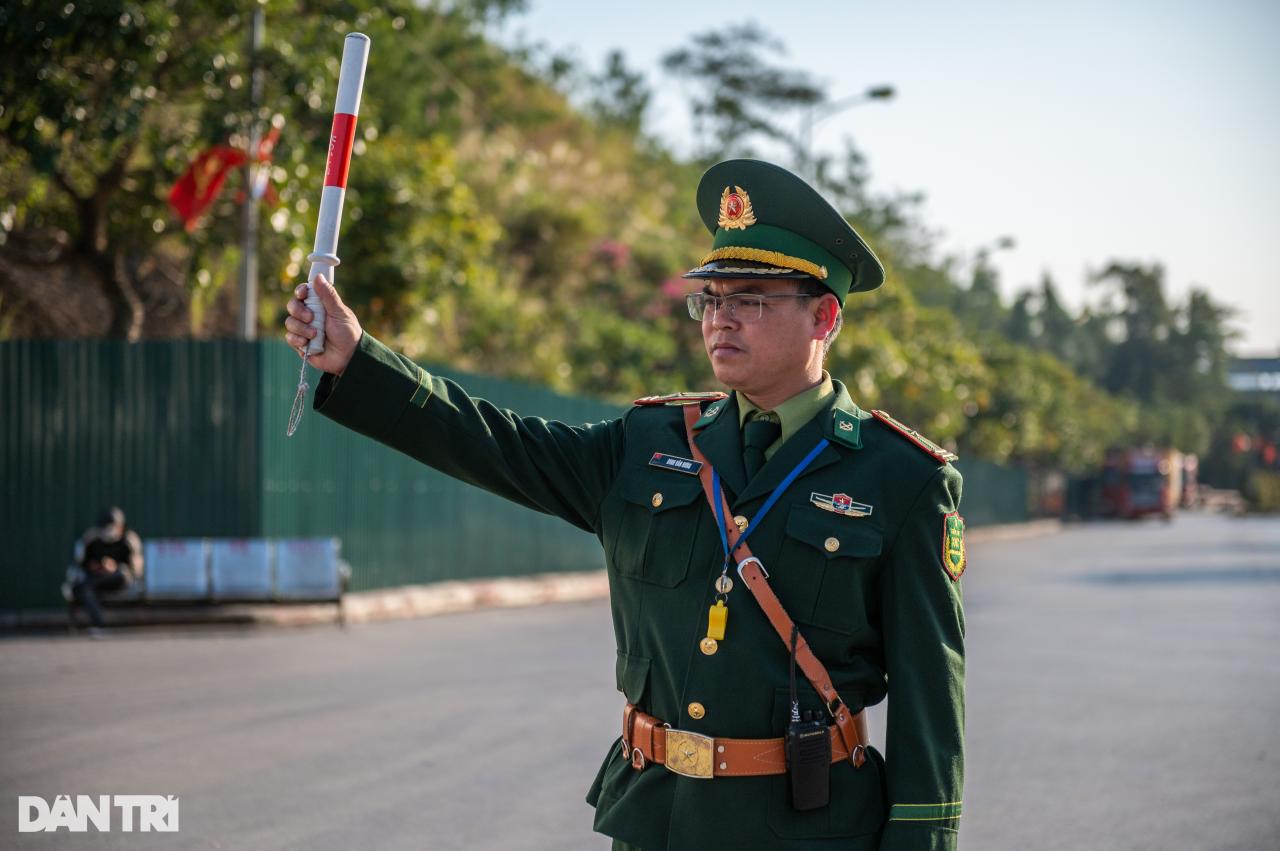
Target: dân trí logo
x,y
144,813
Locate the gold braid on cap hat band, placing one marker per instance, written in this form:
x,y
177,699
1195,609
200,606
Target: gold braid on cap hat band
x,y
760,255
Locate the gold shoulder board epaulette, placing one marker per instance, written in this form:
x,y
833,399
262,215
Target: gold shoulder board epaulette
x,y
930,448
681,398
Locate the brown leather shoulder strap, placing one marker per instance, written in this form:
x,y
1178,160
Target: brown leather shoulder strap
x,y
853,728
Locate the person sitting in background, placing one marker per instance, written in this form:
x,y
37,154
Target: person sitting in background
x,y
110,556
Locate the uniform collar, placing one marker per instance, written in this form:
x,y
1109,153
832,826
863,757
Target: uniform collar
x,y
839,420
720,439
794,413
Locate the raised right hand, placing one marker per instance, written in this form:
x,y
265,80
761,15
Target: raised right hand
x,y
341,328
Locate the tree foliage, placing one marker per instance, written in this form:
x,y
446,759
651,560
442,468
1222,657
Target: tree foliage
x,y
492,225
738,92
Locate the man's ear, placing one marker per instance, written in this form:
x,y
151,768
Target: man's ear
x,y
825,311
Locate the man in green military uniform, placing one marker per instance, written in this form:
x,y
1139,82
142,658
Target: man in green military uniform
x,y
851,515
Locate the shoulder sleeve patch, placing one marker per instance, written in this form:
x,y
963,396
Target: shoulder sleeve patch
x,y
953,556
681,398
926,445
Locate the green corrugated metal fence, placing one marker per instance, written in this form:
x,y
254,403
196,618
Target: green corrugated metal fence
x,y
157,428
400,521
188,437
993,493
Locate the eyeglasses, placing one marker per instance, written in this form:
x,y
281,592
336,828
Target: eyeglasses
x,y
742,307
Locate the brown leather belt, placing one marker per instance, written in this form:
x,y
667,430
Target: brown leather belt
x,y
645,739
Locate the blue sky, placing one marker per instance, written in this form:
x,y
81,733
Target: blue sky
x,y
1140,130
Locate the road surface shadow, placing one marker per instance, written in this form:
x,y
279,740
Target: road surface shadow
x,y
1204,576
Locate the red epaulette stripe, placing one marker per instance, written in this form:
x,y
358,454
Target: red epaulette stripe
x,y
935,452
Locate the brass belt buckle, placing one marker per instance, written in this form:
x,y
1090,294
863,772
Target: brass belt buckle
x,y
689,754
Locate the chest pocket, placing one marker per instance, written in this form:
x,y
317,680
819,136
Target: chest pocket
x,y
828,563
660,520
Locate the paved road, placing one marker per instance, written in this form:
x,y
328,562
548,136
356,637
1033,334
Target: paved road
x,y
1123,694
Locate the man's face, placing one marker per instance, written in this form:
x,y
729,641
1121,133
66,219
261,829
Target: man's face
x,y
758,358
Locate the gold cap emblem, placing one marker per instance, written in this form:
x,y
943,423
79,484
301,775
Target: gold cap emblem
x,y
735,209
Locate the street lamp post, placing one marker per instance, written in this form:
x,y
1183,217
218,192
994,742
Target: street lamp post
x,y
812,117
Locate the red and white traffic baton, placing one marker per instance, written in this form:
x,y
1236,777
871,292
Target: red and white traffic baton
x,y
324,256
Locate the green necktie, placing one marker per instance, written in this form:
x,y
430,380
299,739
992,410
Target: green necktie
x,y
757,436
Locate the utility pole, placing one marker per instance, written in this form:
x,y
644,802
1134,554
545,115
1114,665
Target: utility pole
x,y
249,220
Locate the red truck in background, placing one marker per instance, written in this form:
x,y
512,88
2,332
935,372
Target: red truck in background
x,y
1137,483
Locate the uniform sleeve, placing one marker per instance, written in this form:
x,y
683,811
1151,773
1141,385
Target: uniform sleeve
x,y
924,659
547,466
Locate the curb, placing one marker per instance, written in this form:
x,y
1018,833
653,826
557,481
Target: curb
x,y
415,601
1013,531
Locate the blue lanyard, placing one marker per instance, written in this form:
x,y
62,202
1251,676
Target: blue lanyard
x,y
754,522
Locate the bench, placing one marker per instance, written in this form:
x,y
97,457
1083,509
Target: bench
x,y
230,570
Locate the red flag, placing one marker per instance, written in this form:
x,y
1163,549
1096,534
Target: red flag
x,y
261,186
200,185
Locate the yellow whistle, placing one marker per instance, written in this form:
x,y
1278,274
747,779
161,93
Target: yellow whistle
x,y
717,617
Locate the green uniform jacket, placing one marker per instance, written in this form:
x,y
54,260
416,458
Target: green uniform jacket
x,y
870,594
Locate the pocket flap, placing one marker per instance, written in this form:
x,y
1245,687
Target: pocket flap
x,y
659,493
818,529
633,674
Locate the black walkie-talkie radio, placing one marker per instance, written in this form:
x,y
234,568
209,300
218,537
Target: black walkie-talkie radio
x,y
808,750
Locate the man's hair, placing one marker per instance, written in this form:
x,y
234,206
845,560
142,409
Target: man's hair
x,y
815,288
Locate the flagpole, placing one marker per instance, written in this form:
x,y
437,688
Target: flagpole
x,y
249,220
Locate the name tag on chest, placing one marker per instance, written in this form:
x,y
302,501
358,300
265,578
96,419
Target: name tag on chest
x,y
675,462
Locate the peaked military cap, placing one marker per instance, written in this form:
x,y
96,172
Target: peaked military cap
x,y
767,222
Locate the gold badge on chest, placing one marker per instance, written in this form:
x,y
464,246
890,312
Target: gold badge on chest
x,y
840,503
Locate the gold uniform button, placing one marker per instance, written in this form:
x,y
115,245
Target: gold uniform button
x,y
656,500
740,522
709,646
832,544
696,710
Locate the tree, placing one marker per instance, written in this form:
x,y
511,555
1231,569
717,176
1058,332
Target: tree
x,y
491,225
980,305
1059,333
1019,326
620,95
1133,364
1200,349
738,92
106,104
81,86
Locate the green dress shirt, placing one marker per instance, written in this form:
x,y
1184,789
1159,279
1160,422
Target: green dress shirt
x,y
792,414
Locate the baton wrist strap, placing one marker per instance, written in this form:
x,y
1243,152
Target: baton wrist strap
x,y
853,728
